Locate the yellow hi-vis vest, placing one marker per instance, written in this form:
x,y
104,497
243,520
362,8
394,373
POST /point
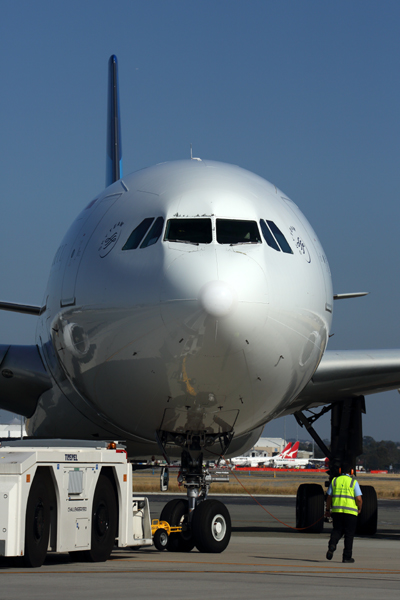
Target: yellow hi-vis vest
x,y
343,499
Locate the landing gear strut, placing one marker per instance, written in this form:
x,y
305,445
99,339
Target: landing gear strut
x,y
346,444
205,523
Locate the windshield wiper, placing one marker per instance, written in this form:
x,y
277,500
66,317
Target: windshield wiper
x,y
183,242
246,242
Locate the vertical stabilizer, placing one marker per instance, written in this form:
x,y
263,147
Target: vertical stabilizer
x,y
284,451
114,149
293,451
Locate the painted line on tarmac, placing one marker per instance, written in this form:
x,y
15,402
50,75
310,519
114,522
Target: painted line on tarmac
x,y
247,568
332,568
264,571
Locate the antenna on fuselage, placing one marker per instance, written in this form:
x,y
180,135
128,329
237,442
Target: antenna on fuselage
x,y
114,148
191,154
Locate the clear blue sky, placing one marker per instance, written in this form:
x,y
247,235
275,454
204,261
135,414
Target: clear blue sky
x,y
304,93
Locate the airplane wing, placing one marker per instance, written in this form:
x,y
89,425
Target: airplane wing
x,y
347,374
23,378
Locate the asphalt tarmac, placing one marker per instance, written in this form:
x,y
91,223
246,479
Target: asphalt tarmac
x,y
265,558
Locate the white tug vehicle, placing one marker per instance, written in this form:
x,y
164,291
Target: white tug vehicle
x,y
68,497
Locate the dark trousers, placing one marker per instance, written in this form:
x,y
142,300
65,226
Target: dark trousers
x,y
343,524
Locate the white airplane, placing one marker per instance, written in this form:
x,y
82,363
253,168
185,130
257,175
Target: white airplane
x,y
189,304
255,461
291,463
289,453
287,459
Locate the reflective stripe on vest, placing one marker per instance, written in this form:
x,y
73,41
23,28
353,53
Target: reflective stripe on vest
x,y
343,498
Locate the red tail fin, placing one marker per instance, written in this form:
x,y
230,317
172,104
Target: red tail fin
x,y
284,451
293,451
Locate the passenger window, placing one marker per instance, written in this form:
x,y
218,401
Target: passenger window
x,y
269,238
280,238
154,233
232,231
189,231
137,234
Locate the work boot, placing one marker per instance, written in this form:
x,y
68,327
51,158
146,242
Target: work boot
x,y
348,560
331,550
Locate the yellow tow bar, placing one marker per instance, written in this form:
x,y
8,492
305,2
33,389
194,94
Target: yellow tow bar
x,y
156,524
161,530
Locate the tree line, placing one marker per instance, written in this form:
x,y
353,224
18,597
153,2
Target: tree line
x,y
381,455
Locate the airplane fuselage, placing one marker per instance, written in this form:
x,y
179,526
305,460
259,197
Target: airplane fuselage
x,y
212,327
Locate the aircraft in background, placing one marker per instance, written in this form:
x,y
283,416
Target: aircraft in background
x,y
287,458
189,304
292,451
256,458
288,454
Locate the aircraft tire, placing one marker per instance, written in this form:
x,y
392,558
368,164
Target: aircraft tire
x,y
211,526
175,512
310,508
37,522
367,521
160,539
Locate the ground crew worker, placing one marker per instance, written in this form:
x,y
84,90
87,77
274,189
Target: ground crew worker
x,y
344,500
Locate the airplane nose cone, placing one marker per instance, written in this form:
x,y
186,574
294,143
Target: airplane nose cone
x,y
217,298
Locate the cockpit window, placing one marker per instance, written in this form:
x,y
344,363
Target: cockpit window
x,y
137,234
189,231
278,242
232,231
154,233
269,238
280,238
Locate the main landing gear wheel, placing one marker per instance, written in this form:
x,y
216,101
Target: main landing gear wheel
x,y
37,522
310,508
367,520
211,526
176,513
104,524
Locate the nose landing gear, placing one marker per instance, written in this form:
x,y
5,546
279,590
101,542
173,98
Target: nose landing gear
x,y
176,513
204,523
211,526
